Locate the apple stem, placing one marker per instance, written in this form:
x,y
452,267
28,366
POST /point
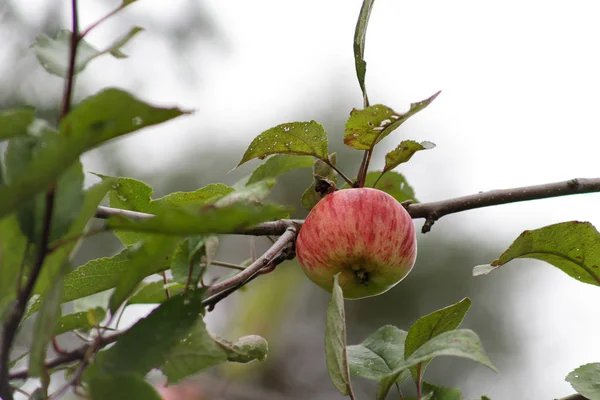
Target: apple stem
x,y
364,167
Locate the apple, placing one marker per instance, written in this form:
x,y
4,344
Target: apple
x,y
363,234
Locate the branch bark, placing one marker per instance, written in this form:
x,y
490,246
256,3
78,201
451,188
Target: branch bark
x,y
430,211
436,210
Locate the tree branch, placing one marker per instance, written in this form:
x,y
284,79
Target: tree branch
x,y
71,356
11,325
436,210
276,254
430,211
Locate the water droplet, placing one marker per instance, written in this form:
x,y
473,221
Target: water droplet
x,y
286,128
355,135
137,121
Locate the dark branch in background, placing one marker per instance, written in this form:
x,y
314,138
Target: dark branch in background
x,y
430,211
11,325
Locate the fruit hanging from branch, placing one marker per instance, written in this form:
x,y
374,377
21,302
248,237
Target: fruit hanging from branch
x,y
365,235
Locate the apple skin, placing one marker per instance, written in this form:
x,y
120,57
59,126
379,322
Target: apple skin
x,y
365,235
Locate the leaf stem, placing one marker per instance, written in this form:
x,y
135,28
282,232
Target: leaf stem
x,y
340,173
378,178
227,265
419,380
101,20
164,276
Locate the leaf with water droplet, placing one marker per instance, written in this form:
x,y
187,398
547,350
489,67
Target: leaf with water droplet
x,y
295,138
367,127
586,380
573,247
404,152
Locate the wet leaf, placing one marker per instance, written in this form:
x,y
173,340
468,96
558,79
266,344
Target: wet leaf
x,y
573,247
367,127
300,138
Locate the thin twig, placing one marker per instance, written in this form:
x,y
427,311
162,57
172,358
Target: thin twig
x,y
101,20
227,265
221,289
59,243
164,276
71,356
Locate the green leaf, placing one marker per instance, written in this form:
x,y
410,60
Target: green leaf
x,y
393,184
458,343
53,54
189,254
155,292
335,341
15,122
79,321
54,261
135,195
115,48
359,45
378,355
300,138
99,118
147,344
278,165
129,194
205,195
573,247
141,263
432,325
12,252
122,387
254,193
196,352
99,275
321,170
404,152
441,393
44,327
209,219
245,349
68,193
365,128
586,380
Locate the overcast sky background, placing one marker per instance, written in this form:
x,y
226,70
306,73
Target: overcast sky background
x,y
519,106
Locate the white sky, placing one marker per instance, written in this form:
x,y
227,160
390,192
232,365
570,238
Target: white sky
x,y
519,106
